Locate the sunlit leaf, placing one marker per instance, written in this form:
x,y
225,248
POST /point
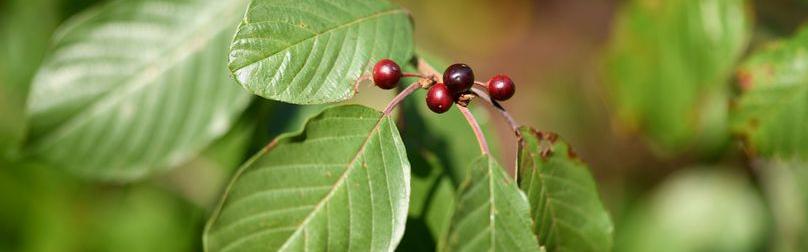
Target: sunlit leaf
x,y
136,86
668,66
340,184
492,214
565,206
312,51
772,112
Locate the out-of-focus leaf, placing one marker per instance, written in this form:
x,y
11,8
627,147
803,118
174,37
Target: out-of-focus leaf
x,y
136,86
25,29
565,207
202,179
784,183
492,214
340,184
667,65
697,210
142,219
312,51
56,212
772,112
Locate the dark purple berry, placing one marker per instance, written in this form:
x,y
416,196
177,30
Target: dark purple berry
x,y
386,74
439,99
501,87
458,78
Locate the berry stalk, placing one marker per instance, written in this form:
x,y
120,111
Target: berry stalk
x,y
400,97
479,91
478,132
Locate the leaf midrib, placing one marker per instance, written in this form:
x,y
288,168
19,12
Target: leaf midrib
x,y
340,181
317,35
179,52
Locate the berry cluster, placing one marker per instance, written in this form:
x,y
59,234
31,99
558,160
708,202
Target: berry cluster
x,y
457,82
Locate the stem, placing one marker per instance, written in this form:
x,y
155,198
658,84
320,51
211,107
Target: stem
x,y
359,80
417,75
476,128
400,97
482,94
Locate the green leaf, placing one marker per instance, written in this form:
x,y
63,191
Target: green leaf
x,y
667,67
492,214
49,210
703,209
25,27
340,184
565,206
772,112
432,200
312,51
136,86
202,179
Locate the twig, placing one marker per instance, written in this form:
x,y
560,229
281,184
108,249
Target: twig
x,y
400,97
476,128
480,92
417,75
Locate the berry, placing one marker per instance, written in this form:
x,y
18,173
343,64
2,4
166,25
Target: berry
x,y
501,87
439,99
386,74
458,78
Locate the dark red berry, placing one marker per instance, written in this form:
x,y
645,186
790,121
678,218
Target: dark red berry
x,y
458,78
386,74
439,99
501,87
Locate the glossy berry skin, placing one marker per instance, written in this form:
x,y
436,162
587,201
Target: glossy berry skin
x,y
458,78
386,74
501,87
439,99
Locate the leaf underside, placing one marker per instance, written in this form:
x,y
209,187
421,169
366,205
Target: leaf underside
x,y
565,206
135,86
772,112
310,51
342,184
491,214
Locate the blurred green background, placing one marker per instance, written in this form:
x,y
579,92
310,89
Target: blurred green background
x,y
642,89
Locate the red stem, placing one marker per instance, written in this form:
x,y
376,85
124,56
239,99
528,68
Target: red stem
x,y
478,132
400,97
413,75
481,92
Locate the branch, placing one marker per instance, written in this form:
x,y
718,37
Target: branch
x,y
476,128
